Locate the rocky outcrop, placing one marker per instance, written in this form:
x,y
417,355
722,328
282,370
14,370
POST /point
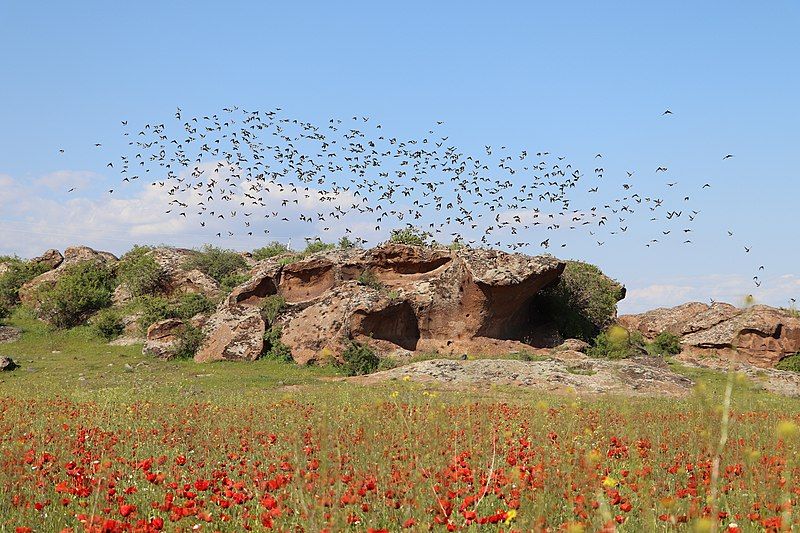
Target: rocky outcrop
x,y
51,259
28,293
643,376
395,297
759,335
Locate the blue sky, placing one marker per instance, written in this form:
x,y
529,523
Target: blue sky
x,y
571,77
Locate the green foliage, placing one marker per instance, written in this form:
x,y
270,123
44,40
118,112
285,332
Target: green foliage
x,y
18,274
189,341
583,302
216,262
410,235
317,245
271,307
617,343
358,360
665,343
290,259
271,250
231,281
107,324
5,310
387,363
154,308
790,363
140,273
273,347
83,289
346,244
368,278
191,304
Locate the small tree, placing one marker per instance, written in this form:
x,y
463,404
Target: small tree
x,y
274,348
190,339
317,245
665,344
107,324
410,235
141,274
358,360
84,289
271,250
216,262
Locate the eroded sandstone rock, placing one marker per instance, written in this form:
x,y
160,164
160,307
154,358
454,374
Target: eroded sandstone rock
x,y
395,297
759,335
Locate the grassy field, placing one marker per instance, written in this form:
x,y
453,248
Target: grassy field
x,y
101,438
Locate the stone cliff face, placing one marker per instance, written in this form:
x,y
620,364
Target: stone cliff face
x,y
758,335
397,298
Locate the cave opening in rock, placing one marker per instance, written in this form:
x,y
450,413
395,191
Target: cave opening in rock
x,y
396,324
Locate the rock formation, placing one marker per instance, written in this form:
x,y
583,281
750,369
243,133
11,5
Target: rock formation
x,y
759,335
395,297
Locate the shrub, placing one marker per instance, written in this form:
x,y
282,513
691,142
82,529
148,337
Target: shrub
x,y
5,310
107,324
410,235
346,244
154,308
191,304
271,250
141,274
665,343
231,281
583,302
790,363
358,360
274,348
189,341
617,343
368,278
18,274
317,245
83,289
271,307
216,262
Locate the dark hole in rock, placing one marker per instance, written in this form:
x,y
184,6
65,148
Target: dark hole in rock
x,y
396,324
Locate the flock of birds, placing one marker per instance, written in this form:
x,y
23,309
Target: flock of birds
x,y
266,171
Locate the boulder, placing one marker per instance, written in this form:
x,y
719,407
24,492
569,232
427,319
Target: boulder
x,y
162,338
51,258
759,335
573,345
394,297
28,293
7,364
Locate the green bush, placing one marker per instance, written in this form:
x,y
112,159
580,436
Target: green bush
x,y
665,344
5,310
369,279
107,324
189,341
271,308
141,274
410,235
346,244
216,262
271,250
617,343
317,245
231,281
274,348
83,289
583,302
18,274
191,304
790,363
154,308
358,360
